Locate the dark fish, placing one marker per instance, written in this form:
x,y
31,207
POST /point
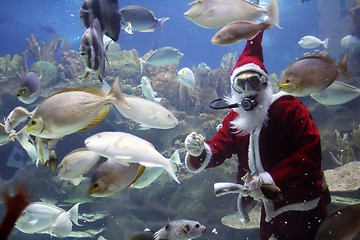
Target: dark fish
x,y
107,11
343,224
139,19
145,235
29,88
92,50
47,29
14,206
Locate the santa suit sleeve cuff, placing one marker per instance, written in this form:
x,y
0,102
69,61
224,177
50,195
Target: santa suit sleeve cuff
x,y
266,178
197,164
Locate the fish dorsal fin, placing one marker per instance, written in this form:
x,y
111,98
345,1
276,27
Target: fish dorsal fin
x,y
98,118
327,59
92,90
77,150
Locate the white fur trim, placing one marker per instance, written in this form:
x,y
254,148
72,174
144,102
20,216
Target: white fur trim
x,y
266,178
247,67
303,206
205,163
278,95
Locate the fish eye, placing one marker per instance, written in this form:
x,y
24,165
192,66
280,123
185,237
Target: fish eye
x,y
197,225
33,122
287,80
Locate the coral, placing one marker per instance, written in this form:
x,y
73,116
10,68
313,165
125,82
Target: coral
x,y
70,64
47,70
346,153
122,63
41,51
356,136
12,66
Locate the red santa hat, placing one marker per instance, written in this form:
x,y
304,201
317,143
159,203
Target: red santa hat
x,y
251,59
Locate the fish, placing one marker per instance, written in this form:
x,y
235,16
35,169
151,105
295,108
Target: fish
x,y
75,164
111,177
186,77
15,205
39,217
350,42
73,110
150,174
147,90
343,224
6,137
180,230
126,148
312,42
312,74
162,57
29,88
239,30
335,94
147,113
92,50
107,11
17,116
139,19
218,13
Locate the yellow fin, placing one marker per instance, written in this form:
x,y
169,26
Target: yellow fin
x,y
140,171
98,118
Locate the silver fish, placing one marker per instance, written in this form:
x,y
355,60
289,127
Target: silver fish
x,y
147,90
92,50
107,11
29,88
75,164
180,230
17,116
139,19
218,13
312,42
126,148
162,57
337,93
186,77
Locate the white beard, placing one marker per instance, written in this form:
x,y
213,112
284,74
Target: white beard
x,y
248,121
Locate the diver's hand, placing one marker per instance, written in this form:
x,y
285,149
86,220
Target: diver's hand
x,y
254,189
194,144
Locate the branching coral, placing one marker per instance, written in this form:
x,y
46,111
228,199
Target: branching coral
x,y
42,51
345,152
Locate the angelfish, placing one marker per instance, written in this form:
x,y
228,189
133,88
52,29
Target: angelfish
x,y
107,11
92,50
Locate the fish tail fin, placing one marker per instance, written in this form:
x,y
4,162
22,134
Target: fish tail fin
x,y
272,11
161,21
142,62
171,169
73,212
175,157
343,66
325,43
117,96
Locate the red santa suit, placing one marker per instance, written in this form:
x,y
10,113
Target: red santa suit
x,y
284,149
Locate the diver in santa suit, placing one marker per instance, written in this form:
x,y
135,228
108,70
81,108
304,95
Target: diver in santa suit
x,y
276,142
